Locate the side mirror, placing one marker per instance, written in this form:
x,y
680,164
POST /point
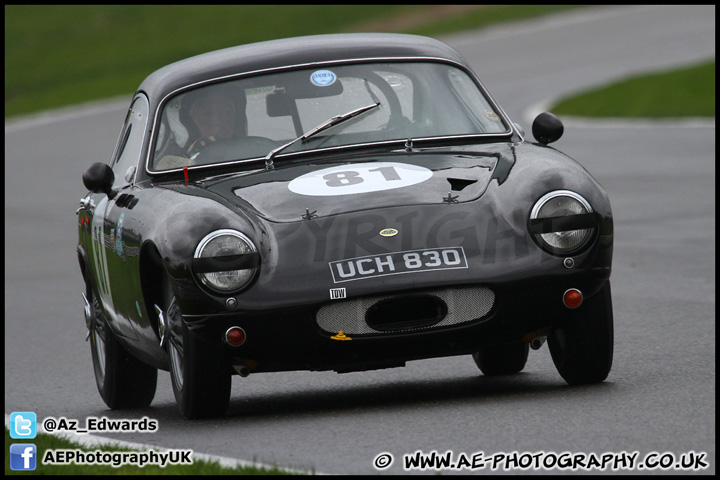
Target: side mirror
x,y
99,178
547,128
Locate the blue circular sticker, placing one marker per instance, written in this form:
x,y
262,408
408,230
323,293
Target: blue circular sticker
x,y
323,78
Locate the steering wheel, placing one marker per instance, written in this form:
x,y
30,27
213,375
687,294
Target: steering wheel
x,y
397,119
233,149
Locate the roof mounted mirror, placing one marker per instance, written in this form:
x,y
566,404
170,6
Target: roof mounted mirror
x,y
279,104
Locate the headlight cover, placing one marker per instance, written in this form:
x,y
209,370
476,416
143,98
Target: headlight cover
x,y
562,221
226,261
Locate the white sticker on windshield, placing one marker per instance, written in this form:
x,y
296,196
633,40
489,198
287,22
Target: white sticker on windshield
x,y
323,78
359,178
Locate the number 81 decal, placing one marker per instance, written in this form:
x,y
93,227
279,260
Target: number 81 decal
x,y
359,178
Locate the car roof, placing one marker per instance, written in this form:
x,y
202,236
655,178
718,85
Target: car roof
x,y
289,52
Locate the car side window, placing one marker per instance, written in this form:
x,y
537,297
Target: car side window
x,y
129,147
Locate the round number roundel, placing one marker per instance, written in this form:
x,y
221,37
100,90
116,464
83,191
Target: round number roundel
x,y
359,178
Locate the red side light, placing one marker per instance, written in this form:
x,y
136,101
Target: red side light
x,y
235,336
573,298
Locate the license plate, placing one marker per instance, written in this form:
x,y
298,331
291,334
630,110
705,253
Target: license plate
x,y
397,263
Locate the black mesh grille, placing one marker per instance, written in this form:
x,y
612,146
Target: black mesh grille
x,y
460,305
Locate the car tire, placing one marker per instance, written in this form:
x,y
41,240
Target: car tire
x,y
582,346
201,376
502,359
122,380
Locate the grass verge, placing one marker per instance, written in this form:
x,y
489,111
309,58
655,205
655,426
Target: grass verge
x,y
688,92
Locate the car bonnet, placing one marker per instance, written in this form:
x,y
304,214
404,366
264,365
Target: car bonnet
x,y
310,190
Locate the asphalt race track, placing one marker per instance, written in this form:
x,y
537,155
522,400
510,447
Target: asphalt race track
x,y
658,402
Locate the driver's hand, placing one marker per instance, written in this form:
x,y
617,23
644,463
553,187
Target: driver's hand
x,y
199,144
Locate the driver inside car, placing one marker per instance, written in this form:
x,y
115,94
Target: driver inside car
x,y
208,117
214,116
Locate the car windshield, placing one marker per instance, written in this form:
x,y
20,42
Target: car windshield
x,y
246,119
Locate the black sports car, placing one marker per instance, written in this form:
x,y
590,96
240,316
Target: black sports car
x,y
336,202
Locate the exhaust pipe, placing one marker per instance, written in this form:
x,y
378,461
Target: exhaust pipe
x,y
242,370
536,339
537,342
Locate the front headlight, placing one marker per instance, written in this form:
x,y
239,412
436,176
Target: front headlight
x,y
226,261
562,221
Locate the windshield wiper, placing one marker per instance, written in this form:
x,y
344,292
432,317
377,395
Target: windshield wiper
x,y
336,120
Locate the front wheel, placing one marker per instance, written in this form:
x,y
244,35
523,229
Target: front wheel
x,y
582,346
122,380
502,359
201,377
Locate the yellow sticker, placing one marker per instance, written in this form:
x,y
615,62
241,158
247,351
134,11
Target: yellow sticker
x,y
388,232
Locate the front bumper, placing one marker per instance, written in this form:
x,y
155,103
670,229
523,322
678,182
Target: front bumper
x,y
299,338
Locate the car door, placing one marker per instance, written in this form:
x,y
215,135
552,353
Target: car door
x,y
112,254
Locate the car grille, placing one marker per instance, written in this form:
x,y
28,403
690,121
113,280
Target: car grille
x,y
415,311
